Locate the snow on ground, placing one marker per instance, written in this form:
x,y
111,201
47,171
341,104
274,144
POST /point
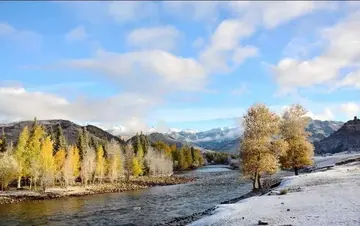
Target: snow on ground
x,y
323,198
321,161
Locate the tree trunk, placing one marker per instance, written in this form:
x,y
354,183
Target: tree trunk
x,y
19,182
30,182
296,171
256,184
259,181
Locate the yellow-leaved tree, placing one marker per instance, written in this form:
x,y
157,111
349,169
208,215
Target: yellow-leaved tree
x,y
260,147
300,151
75,161
136,167
59,160
47,163
21,154
100,164
33,152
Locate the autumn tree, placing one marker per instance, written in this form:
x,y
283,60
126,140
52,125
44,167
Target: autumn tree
x,y
115,161
100,164
37,134
59,160
260,149
136,167
22,155
188,160
300,151
47,163
88,165
159,162
9,168
59,139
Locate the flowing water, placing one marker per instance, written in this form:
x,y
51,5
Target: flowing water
x,y
214,184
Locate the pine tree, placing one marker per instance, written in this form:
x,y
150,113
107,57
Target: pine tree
x,y
187,157
259,149
47,168
300,151
3,142
60,141
128,157
82,142
100,164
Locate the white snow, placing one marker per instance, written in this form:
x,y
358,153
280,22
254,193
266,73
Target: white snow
x,y
323,198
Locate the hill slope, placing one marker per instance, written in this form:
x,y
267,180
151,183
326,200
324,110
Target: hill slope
x,y
347,138
70,130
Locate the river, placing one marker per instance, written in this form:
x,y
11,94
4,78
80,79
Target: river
x,y
214,184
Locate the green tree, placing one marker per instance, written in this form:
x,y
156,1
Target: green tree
x,y
187,157
300,151
83,142
259,151
3,142
59,141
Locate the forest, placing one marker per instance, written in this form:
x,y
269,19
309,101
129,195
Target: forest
x,y
39,160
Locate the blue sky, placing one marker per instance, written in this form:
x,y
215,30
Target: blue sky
x,y
187,65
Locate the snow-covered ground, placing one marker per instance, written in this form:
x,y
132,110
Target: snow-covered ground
x,y
324,198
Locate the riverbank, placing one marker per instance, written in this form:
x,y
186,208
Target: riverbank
x,y
14,196
328,197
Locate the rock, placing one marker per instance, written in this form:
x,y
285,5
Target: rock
x,y
137,208
282,203
262,223
243,218
288,210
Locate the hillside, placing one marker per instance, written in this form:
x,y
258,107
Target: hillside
x,y
347,138
155,137
70,130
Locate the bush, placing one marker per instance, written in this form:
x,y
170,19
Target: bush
x,y
283,191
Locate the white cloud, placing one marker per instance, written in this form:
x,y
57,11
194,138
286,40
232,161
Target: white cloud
x,y
343,51
351,109
224,45
24,38
126,109
76,34
129,11
194,10
327,114
158,70
162,37
198,42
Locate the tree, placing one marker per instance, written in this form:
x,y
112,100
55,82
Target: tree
x,y
115,161
128,157
188,160
60,141
182,162
75,161
3,143
259,151
59,160
9,169
47,168
100,164
197,157
22,155
136,167
33,151
159,163
83,142
300,151
88,165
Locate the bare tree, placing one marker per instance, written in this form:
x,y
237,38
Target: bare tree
x,y
115,161
88,165
159,164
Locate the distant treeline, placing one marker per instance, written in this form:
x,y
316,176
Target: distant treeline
x,y
41,159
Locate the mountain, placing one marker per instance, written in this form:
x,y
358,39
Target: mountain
x,y
347,138
70,130
155,137
227,139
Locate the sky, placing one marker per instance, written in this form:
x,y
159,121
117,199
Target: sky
x,y
131,66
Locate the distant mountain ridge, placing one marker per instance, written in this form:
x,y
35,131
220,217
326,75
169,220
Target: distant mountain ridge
x,y
70,130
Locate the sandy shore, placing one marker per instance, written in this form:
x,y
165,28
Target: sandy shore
x,y
328,197
13,196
